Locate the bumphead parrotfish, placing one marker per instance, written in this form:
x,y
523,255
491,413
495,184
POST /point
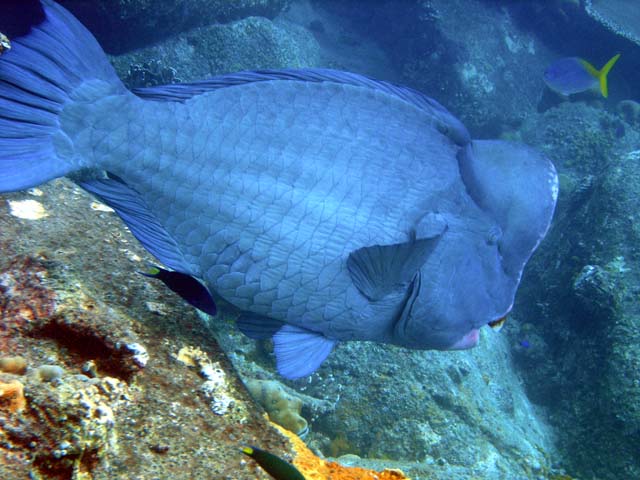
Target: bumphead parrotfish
x,y
325,205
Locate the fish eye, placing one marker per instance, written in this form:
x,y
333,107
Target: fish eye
x,y
494,234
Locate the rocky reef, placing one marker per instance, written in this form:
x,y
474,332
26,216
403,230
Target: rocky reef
x,y
617,16
134,389
579,305
106,375
124,25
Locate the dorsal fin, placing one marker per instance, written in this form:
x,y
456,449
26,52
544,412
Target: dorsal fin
x,y
446,123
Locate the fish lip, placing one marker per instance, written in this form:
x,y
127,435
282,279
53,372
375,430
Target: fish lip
x,y
468,341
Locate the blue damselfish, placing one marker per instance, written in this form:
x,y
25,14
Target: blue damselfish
x,y
325,205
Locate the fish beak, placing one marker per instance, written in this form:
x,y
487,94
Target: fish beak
x,y
498,324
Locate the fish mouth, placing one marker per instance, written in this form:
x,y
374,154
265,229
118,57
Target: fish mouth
x,y
470,340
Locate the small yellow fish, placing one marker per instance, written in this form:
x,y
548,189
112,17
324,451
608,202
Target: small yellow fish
x,y
574,75
5,43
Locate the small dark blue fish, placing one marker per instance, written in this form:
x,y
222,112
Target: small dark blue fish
x,y
272,464
524,343
190,289
574,75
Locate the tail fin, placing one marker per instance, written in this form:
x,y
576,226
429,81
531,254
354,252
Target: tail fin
x,y
39,74
603,72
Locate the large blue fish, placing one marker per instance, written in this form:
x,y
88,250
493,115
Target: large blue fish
x,y
325,205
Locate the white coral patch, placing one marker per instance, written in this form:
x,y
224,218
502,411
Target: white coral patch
x,y
100,207
140,354
27,209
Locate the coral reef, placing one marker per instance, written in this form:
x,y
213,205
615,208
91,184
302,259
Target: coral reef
x,y
247,44
316,468
282,407
629,110
217,389
580,303
13,365
12,397
23,298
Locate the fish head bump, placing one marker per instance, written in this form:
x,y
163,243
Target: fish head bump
x,y
471,277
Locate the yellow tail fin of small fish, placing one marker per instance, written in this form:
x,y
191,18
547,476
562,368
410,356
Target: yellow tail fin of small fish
x,y
601,74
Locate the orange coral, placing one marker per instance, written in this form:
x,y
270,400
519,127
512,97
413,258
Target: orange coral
x,y
315,468
12,396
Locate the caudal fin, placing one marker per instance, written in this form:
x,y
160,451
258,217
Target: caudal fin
x,y
602,75
54,64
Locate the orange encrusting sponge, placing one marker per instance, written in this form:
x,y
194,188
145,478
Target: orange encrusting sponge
x,y
315,468
12,396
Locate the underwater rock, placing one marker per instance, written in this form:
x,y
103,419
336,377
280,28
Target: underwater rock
x,y
124,25
581,297
577,137
596,290
491,85
438,416
217,388
248,44
619,16
67,426
89,334
24,298
629,110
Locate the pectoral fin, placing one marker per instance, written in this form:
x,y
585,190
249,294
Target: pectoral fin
x,y
378,270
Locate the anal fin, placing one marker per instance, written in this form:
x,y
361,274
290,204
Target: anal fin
x,y
258,327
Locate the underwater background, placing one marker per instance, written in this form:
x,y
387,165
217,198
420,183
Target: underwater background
x,y
108,375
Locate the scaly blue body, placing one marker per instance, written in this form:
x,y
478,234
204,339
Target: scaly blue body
x,y
324,205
